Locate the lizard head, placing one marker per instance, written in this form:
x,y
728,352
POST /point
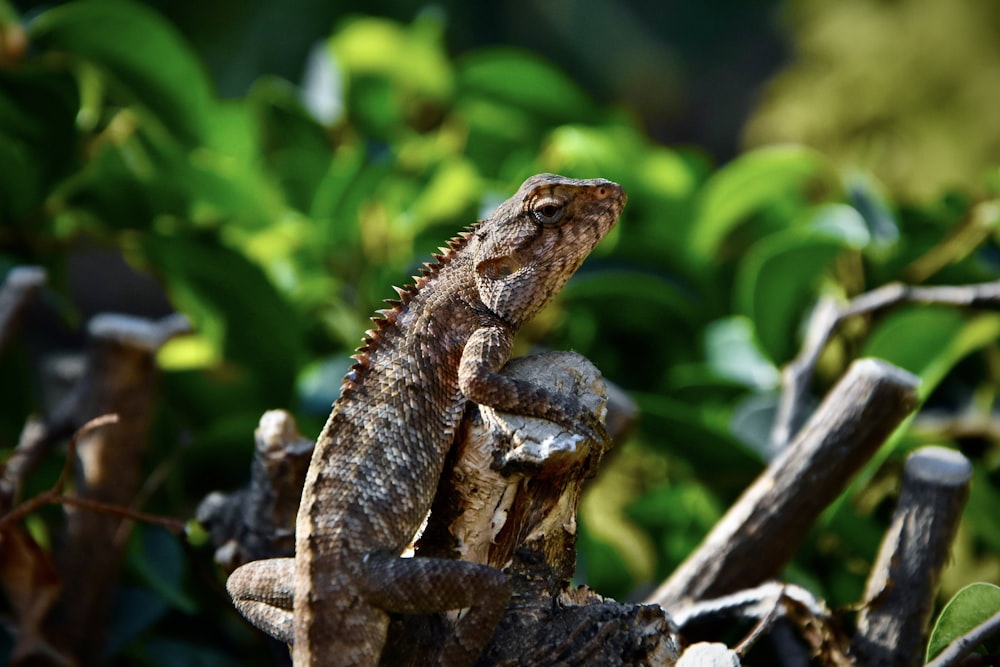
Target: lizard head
x,y
531,245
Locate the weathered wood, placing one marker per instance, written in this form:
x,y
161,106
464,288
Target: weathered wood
x,y
892,626
259,521
510,501
119,378
762,530
19,287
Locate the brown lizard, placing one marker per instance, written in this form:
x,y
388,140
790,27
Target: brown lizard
x,y
377,463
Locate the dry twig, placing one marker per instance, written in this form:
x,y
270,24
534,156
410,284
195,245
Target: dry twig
x,y
828,315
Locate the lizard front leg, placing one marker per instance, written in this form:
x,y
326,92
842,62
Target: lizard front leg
x,y
479,378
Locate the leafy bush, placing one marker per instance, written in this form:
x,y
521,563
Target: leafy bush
x,y
277,223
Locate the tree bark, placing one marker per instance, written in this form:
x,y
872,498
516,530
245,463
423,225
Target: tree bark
x,y
892,626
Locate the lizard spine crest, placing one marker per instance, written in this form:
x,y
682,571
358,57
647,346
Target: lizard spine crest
x,y
386,317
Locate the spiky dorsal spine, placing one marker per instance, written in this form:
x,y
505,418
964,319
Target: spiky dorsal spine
x,y
386,317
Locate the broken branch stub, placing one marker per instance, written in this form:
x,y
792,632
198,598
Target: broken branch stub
x,y
892,626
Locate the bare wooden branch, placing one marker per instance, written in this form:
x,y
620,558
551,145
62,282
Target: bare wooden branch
x,y
762,530
20,286
752,603
967,643
119,378
892,626
259,521
36,439
828,315
788,613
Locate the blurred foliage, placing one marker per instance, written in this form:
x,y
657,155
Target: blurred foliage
x,y
906,89
279,220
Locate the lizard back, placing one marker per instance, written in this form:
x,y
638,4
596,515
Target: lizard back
x,y
397,414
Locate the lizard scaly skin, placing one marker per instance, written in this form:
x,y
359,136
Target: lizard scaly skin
x,y
377,462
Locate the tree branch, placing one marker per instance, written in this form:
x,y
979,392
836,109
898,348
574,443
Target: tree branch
x,y
20,286
258,521
509,499
892,626
796,376
120,378
762,530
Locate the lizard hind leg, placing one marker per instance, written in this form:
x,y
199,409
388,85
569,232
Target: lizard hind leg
x,y
430,585
264,592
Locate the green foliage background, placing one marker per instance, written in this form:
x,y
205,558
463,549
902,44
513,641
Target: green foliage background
x,y
278,220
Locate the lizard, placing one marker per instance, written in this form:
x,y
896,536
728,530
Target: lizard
x,y
377,462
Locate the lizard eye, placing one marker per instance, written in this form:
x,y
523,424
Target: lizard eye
x,y
549,212
498,268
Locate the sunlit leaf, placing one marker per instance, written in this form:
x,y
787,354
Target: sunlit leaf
x,y
453,189
523,80
412,56
971,606
776,282
732,353
929,340
762,178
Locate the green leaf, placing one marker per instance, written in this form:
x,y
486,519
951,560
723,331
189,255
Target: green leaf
x,y
732,353
750,183
970,607
874,210
525,81
929,340
843,222
776,282
135,611
233,304
37,137
980,516
295,146
142,55
700,437
679,514
412,57
158,558
752,420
